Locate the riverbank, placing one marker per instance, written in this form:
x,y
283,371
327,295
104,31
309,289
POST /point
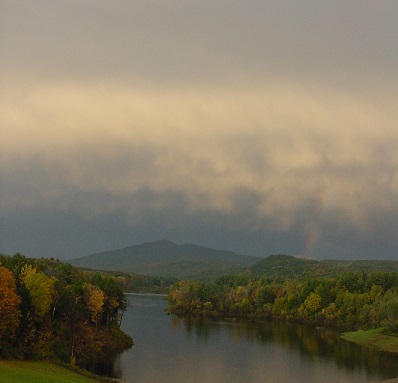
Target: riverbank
x,y
377,339
16,371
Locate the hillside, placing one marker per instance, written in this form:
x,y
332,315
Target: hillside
x,y
287,266
165,258
187,261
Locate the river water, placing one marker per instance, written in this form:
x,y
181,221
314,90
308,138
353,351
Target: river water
x,y
170,349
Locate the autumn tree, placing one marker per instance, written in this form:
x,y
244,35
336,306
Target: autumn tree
x,y
40,288
183,295
50,309
313,302
9,311
95,301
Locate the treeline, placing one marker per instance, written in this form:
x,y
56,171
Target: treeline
x,y
138,283
352,300
50,309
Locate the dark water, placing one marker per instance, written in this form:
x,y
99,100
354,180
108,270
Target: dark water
x,y
169,349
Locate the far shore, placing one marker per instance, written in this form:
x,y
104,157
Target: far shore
x,y
148,294
378,339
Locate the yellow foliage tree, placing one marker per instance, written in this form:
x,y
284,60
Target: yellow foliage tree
x,y
41,289
313,302
95,298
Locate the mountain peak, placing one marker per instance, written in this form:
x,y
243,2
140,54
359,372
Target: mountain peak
x,y
166,258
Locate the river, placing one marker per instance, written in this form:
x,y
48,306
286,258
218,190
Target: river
x,y
170,349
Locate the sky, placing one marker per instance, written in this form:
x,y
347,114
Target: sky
x,y
261,127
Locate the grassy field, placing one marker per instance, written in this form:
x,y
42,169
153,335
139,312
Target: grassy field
x,y
376,338
38,372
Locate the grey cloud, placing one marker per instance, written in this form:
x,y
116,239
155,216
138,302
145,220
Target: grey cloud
x,y
174,41
82,216
260,127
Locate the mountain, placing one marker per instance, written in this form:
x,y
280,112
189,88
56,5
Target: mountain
x,y
287,266
165,258
168,259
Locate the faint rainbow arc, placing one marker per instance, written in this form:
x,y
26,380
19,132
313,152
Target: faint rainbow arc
x,y
314,229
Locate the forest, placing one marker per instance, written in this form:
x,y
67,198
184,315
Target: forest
x,y
53,310
144,284
352,300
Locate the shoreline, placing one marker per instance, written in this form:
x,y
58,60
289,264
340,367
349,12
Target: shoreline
x,y
148,294
377,339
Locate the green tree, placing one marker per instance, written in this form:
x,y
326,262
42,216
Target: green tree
x,y
41,289
389,311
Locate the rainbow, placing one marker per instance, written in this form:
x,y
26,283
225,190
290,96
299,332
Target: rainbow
x,y
313,232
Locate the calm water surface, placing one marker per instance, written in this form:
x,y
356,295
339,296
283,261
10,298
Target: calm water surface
x,y
169,349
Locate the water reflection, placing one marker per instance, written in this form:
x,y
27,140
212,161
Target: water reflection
x,y
179,349
109,366
309,341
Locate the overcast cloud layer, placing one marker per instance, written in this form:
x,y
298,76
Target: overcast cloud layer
x,y
259,126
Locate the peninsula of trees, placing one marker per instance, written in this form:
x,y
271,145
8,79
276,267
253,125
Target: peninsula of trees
x,y
289,288
53,310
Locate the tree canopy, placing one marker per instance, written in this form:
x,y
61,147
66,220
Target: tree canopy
x,y
52,309
350,300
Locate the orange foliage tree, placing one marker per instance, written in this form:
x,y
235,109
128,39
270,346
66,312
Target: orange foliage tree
x,y
9,306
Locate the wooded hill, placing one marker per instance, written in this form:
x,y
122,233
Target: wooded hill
x,y
168,259
286,266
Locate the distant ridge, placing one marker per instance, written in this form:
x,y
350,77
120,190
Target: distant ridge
x,y
287,266
165,258
188,261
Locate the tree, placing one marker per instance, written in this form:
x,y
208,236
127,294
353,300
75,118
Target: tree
x,y
9,302
115,302
389,311
41,289
95,301
184,295
313,303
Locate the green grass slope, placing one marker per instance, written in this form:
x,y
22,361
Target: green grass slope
x,y
377,338
38,372
165,258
